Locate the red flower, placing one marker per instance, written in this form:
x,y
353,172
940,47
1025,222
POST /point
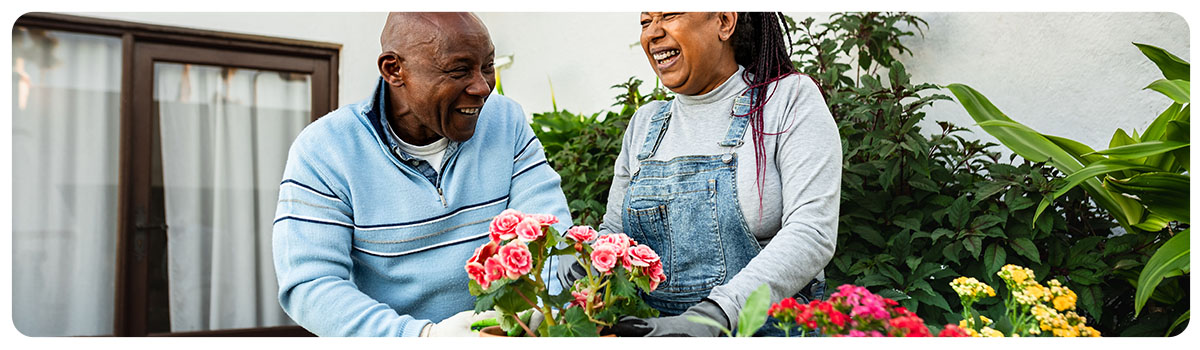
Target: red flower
x,y
604,257
493,269
516,259
504,225
655,272
953,330
529,229
838,318
582,233
544,219
641,255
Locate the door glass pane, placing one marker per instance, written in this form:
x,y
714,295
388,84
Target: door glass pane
x,y
224,135
65,123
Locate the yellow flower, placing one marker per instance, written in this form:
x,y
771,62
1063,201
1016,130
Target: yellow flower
x,y
1019,276
989,332
1062,303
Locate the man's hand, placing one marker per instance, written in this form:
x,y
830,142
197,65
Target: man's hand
x,y
458,325
674,326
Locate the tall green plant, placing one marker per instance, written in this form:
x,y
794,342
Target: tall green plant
x,y
918,209
1141,179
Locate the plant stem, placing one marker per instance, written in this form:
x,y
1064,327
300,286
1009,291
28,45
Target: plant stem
x,y
523,326
545,310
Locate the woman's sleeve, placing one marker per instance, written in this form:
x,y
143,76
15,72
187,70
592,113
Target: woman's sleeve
x,y
809,159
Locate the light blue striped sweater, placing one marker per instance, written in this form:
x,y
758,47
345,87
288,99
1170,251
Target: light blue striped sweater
x,y
363,245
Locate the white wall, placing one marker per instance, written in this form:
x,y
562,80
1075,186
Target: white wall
x,y
1068,74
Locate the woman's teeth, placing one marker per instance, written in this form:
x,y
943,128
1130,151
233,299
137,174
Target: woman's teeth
x,y
468,110
663,56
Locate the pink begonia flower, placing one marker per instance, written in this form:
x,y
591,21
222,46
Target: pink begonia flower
x,y
604,258
483,252
544,219
529,230
641,255
582,233
581,299
503,226
619,241
655,271
493,269
475,271
516,259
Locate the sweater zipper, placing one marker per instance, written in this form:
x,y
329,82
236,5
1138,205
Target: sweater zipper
x,y
438,185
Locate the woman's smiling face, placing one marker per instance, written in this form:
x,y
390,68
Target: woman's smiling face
x,y
690,51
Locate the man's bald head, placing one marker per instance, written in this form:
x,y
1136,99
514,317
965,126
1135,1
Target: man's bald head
x,y
438,70
405,30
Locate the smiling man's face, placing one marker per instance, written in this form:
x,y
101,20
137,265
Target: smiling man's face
x,y
445,75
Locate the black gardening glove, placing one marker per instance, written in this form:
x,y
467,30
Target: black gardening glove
x,y
674,326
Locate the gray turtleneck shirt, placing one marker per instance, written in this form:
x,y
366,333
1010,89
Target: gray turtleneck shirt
x,y
797,222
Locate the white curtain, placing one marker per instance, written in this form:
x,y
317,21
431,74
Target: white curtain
x,y
65,124
225,134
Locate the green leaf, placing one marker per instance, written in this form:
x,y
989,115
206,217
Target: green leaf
x,y
1083,277
951,251
1171,66
1036,147
1090,299
989,189
934,299
959,212
893,294
985,221
1026,248
974,245
754,313
871,235
994,257
1075,149
908,223
1178,321
1142,149
1156,128
1162,193
620,284
873,280
1089,172
1017,202
1171,257
1177,90
939,233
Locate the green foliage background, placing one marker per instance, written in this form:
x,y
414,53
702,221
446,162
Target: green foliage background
x,y
918,208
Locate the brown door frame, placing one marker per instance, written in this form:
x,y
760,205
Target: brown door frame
x,y
140,220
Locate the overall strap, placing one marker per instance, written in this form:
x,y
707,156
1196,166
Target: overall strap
x,y
741,118
658,128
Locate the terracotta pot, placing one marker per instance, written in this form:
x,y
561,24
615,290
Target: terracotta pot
x,y
495,331
492,331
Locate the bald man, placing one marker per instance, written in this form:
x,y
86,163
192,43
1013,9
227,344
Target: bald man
x,y
383,201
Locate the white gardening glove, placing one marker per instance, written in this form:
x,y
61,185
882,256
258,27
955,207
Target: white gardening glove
x,y
458,325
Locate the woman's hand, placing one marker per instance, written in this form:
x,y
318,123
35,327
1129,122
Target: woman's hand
x,y
674,326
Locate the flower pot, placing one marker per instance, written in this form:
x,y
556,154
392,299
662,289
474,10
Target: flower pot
x,y
492,331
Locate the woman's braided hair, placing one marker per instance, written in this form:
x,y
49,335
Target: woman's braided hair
x,y
759,46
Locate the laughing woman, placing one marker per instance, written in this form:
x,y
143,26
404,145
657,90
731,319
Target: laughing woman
x,y
736,182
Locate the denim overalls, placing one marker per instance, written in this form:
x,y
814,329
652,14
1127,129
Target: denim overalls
x,y
687,210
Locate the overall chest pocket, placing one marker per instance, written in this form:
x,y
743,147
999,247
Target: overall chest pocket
x,y
678,219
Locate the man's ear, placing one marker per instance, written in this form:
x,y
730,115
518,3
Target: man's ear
x,y
390,69
726,24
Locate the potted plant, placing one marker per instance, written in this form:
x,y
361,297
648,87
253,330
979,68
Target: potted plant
x,y
506,276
